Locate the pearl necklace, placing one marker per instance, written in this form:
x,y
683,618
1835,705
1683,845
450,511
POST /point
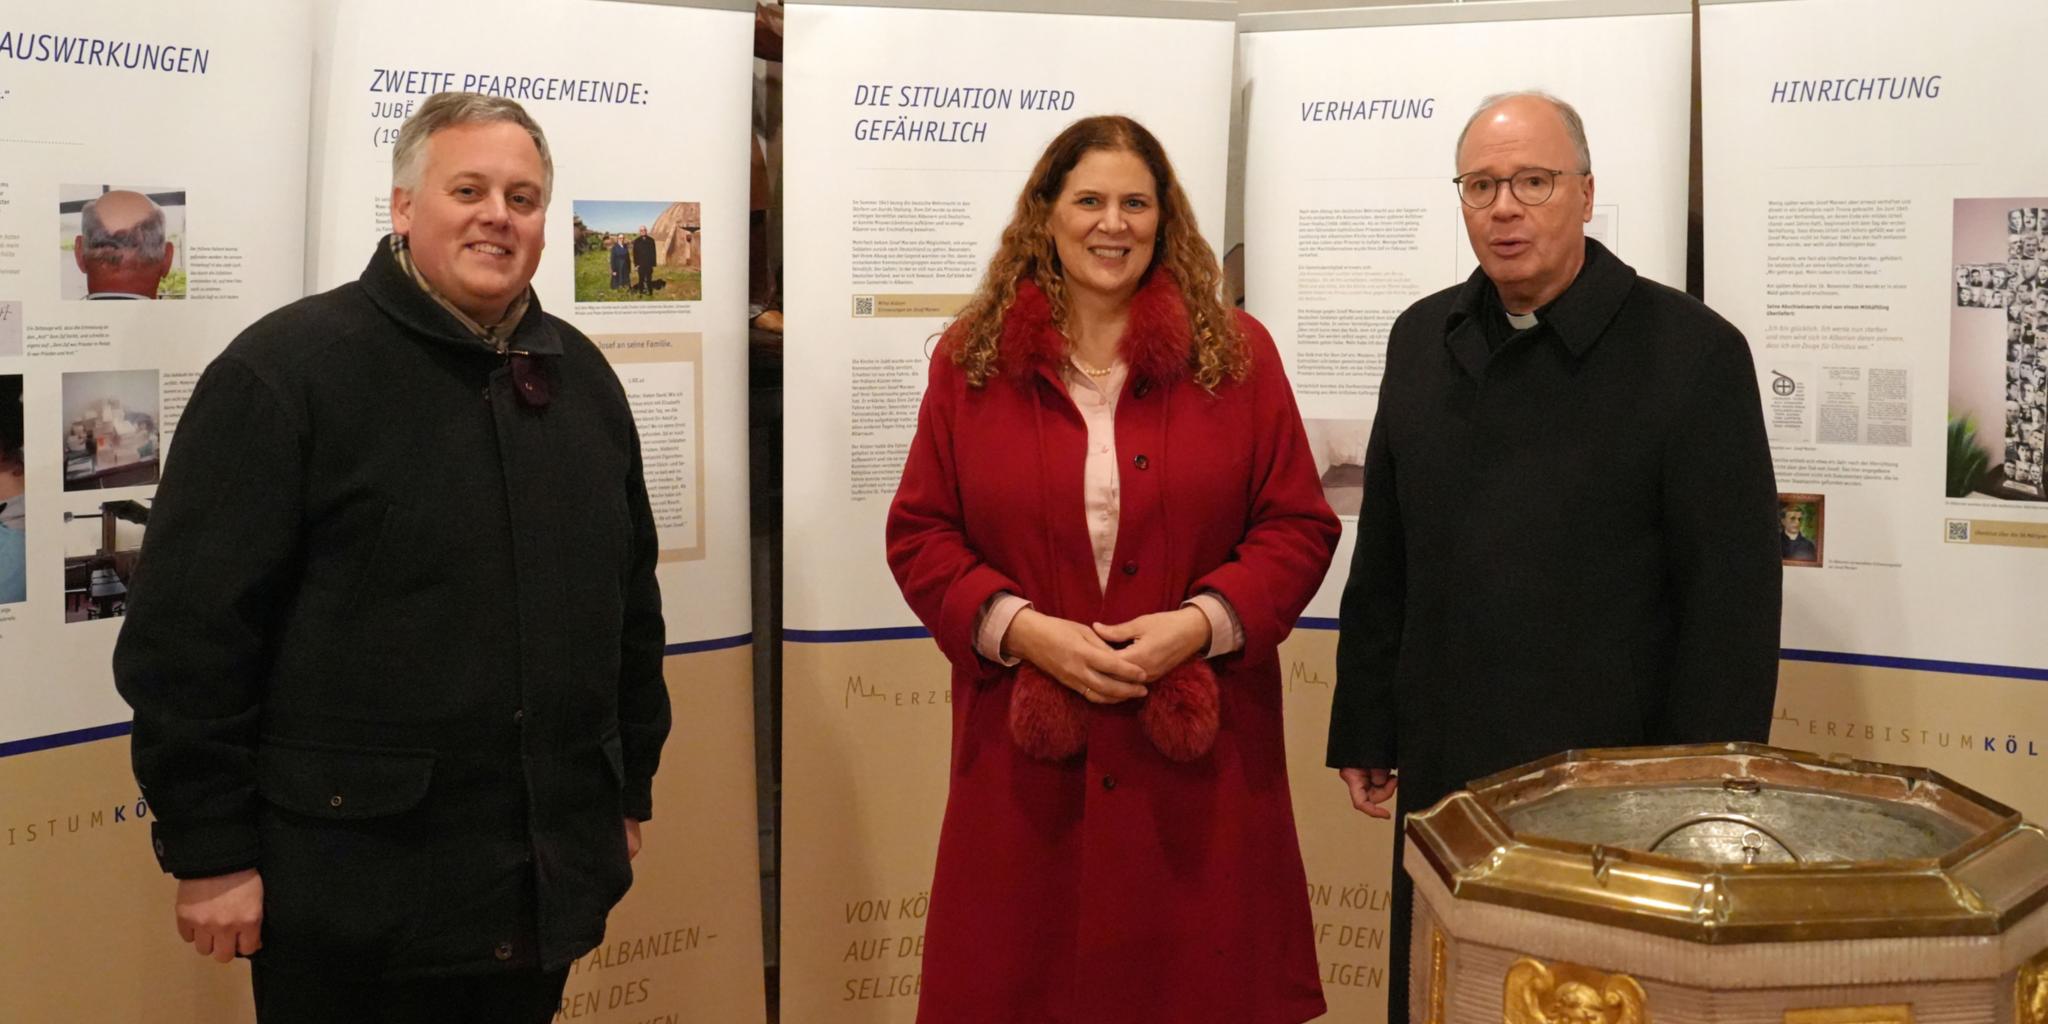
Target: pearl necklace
x,y
1091,371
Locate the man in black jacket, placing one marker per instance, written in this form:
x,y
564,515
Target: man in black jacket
x,y
643,262
1566,535
394,646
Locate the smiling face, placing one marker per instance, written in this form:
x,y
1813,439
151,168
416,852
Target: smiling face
x,y
1531,253
475,222
1104,225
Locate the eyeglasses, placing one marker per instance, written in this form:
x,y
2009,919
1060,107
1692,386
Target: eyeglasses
x,y
1532,186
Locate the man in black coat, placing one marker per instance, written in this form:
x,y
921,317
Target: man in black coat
x,y
395,643
1794,545
1566,534
643,262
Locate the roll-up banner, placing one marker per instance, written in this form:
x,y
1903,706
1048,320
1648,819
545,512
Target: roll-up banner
x,y
646,108
1877,223
192,117
910,129
1352,119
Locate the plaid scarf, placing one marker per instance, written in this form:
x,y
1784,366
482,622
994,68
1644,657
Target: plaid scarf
x,y
497,335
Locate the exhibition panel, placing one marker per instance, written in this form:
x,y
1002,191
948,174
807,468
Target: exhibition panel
x,y
1352,119
910,130
194,124
1874,225
130,253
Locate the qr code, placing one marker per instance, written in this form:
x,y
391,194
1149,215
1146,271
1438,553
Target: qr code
x,y
863,305
1958,531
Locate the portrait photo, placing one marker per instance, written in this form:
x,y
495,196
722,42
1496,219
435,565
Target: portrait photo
x,y
1801,528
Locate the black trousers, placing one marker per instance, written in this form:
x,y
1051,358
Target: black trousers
x,y
646,279
526,996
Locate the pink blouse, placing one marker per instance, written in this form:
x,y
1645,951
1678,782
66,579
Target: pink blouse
x,y
1096,398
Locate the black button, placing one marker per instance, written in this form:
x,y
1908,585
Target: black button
x,y
503,952
159,846
1143,387
1141,462
519,717
1130,568
334,801
1109,782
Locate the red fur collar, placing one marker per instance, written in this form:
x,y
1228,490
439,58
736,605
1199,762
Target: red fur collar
x,y
1157,341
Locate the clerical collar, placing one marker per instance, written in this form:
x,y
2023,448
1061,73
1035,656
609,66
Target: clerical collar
x,y
1521,321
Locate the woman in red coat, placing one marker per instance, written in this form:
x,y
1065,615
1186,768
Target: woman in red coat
x,y
1109,520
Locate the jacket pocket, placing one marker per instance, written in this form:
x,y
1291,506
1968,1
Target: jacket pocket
x,y
337,783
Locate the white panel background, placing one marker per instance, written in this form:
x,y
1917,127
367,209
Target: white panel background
x,y
1891,585
1170,74
686,144
66,124
1628,76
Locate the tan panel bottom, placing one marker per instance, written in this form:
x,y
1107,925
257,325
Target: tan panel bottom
x,y
685,944
865,739
1348,855
89,933
1988,733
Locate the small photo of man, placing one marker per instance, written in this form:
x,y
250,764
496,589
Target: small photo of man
x,y
120,243
1800,528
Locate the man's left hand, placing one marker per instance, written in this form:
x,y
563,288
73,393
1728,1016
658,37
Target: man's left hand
x,y
632,838
1160,641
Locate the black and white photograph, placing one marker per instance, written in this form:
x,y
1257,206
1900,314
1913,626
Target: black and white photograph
x,y
1339,447
1998,393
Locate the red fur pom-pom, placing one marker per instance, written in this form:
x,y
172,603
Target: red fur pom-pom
x,y
1181,715
1047,720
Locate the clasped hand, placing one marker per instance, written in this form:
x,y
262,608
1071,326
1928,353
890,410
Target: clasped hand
x,y
1108,664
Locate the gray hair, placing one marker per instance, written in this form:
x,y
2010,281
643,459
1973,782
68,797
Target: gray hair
x,y
448,109
1573,125
142,240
